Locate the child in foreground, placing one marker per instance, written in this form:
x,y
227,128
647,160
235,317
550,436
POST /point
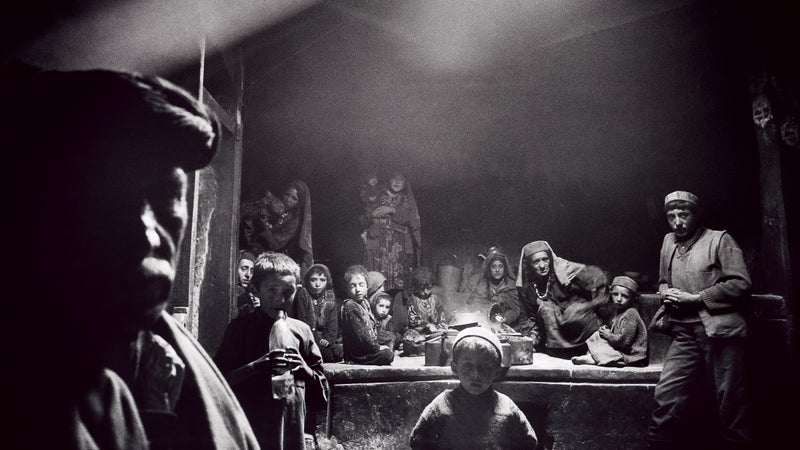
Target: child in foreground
x,y
622,342
474,415
264,343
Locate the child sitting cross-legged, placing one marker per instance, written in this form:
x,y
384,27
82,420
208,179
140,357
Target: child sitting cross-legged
x,y
359,337
474,415
622,342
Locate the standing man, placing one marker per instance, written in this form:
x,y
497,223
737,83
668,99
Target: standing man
x,y
704,283
99,211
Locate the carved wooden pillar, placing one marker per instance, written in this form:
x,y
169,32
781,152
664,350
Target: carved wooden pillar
x,y
776,130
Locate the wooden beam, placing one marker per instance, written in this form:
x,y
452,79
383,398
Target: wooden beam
x,y
225,118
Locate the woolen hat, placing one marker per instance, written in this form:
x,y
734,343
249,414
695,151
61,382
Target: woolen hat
x,y
626,282
483,333
246,254
684,196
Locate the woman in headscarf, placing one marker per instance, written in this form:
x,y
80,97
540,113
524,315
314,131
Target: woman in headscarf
x,y
564,295
291,233
495,298
394,246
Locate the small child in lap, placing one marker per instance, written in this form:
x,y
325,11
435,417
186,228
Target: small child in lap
x,y
474,415
622,342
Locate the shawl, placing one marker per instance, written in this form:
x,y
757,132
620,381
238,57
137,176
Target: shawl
x,y
375,281
493,256
324,269
413,220
565,270
304,230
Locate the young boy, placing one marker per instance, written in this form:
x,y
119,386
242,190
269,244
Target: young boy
x,y
474,415
622,342
245,300
384,325
248,363
358,324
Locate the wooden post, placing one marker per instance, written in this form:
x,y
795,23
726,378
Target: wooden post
x,y
775,258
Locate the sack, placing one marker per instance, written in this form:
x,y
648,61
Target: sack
x,y
660,322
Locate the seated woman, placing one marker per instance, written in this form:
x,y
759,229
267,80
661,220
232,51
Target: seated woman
x,y
496,290
564,295
291,232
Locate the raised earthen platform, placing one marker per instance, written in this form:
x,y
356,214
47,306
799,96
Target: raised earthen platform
x,y
569,406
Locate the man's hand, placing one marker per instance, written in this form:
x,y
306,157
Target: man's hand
x,y
674,297
324,343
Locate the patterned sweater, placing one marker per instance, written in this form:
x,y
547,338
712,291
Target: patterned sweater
x,y
629,335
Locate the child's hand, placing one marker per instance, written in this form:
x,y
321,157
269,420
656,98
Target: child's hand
x,y
274,359
604,332
324,343
263,364
299,367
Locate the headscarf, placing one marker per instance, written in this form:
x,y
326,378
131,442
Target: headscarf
x,y
565,270
374,281
316,268
304,215
496,255
421,278
379,296
485,334
626,282
246,254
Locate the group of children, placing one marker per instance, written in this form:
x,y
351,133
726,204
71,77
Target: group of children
x,y
315,328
